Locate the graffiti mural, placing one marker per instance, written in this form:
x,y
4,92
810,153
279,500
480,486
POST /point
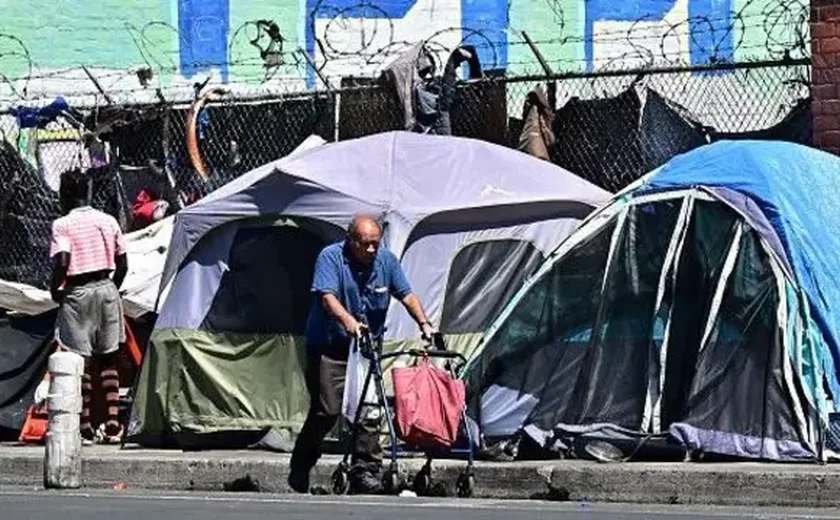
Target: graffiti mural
x,y
146,48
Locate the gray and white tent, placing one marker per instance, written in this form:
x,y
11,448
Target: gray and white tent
x,y
468,219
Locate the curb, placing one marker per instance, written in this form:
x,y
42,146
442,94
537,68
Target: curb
x,y
744,484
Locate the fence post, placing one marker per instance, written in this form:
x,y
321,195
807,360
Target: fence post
x,y
337,118
63,453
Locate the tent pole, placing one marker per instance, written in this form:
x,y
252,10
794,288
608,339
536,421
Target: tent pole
x,y
652,417
720,288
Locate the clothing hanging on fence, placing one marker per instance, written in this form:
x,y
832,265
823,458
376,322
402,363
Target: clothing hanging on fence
x,y
426,98
434,97
404,75
536,137
27,146
98,152
34,117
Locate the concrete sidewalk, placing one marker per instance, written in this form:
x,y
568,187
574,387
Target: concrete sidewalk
x,y
636,482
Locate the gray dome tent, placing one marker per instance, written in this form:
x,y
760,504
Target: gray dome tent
x,y
468,219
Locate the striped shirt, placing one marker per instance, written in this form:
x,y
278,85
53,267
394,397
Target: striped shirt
x,y
92,238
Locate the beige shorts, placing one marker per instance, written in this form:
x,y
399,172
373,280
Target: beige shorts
x,y
90,320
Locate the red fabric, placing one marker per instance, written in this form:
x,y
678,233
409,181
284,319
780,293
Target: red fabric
x,y
428,405
143,209
35,426
131,344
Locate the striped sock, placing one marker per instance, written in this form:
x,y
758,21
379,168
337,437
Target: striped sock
x,y
111,388
85,427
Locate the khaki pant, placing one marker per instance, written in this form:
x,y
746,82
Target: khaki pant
x,y
90,320
325,384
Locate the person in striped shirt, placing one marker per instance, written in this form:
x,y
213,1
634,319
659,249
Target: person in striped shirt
x,y
87,246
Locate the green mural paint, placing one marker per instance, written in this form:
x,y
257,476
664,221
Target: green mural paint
x,y
68,33
246,63
546,23
768,28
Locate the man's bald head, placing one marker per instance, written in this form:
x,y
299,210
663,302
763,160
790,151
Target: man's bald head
x,y
364,223
364,235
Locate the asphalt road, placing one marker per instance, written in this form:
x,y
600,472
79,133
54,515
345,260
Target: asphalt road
x,y
25,504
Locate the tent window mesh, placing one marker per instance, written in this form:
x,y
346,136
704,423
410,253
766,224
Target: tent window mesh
x,y
557,310
738,384
587,355
611,384
708,238
483,278
582,354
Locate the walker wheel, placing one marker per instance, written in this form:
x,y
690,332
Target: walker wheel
x,y
390,482
422,481
465,485
340,480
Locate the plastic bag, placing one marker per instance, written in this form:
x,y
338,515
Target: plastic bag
x,y
357,370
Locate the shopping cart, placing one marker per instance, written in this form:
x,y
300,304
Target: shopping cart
x,y
371,350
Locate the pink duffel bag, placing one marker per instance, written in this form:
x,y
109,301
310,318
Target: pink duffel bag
x,y
427,404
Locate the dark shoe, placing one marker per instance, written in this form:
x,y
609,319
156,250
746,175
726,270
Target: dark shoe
x,y
364,482
103,435
88,436
299,480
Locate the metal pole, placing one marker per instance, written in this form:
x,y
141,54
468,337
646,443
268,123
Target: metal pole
x,y
311,63
96,83
551,85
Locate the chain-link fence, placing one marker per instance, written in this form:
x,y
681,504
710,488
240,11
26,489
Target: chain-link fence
x,y
609,128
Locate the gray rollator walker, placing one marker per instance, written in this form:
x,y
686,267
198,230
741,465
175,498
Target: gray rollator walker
x,y
371,350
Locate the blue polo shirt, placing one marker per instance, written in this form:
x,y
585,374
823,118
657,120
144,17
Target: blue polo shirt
x,y
364,291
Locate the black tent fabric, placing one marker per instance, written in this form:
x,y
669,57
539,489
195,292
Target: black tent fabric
x,y
612,142
666,130
27,208
598,139
266,289
795,128
25,345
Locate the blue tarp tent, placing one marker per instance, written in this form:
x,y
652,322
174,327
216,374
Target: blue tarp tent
x,y
700,306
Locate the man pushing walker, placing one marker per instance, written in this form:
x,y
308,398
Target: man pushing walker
x,y
352,286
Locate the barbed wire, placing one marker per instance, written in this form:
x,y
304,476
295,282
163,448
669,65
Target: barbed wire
x,y
262,54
